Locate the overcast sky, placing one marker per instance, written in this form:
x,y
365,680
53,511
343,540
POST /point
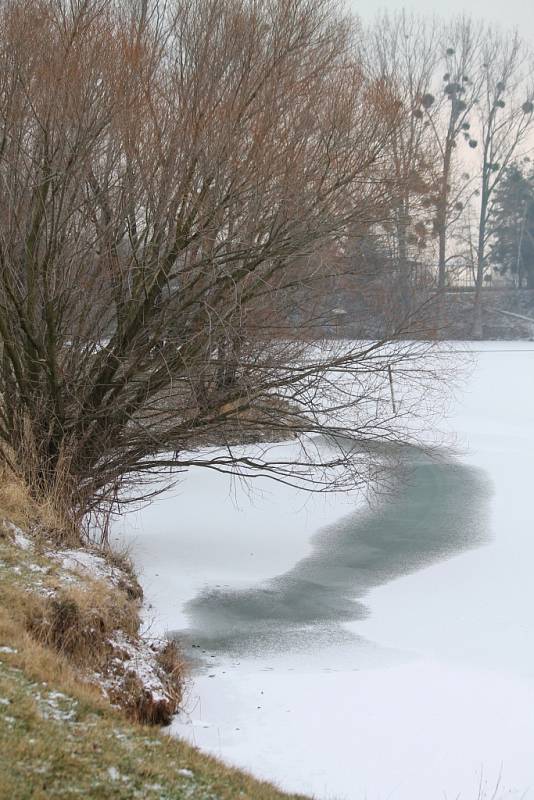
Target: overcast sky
x,y
510,13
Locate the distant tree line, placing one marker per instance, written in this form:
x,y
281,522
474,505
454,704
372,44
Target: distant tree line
x,y
466,93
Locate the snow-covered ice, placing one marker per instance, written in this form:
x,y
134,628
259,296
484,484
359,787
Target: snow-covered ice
x,y
422,688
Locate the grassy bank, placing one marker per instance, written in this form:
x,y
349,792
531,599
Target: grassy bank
x,y
61,732
61,742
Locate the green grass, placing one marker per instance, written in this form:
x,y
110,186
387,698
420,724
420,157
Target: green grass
x,y
64,747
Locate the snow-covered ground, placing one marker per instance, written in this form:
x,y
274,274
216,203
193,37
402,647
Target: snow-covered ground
x,y
422,688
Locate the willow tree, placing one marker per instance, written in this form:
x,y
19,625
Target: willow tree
x,y
168,173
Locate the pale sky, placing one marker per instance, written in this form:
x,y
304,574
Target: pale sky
x,y
509,13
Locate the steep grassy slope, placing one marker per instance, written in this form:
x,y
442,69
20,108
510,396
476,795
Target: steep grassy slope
x,y
60,736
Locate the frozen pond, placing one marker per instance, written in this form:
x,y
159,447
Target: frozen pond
x,y
372,653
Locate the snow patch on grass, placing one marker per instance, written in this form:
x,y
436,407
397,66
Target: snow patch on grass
x,y
57,706
87,562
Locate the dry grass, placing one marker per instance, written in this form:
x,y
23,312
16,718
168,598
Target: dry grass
x,y
43,514
78,621
37,661
16,503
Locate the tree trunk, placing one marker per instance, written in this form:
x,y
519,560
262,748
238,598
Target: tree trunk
x,y
404,276
478,328
442,229
442,217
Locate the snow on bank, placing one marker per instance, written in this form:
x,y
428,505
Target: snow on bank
x,y
131,669
429,696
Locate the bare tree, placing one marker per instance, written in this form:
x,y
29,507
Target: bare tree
x,y
505,117
169,175
403,51
435,69
467,88
457,89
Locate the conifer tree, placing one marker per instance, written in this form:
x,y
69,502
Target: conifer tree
x,y
513,222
